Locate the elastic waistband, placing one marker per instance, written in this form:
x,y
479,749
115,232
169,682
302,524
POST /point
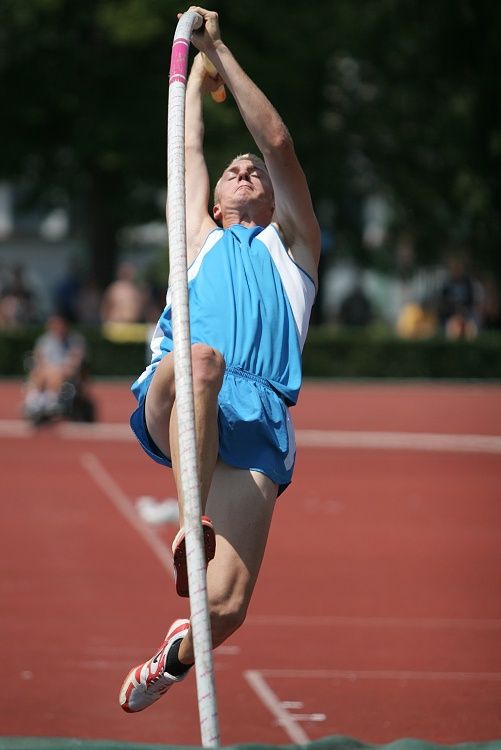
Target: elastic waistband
x,y
249,375
239,372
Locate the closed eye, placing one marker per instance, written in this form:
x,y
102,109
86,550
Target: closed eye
x,y
255,173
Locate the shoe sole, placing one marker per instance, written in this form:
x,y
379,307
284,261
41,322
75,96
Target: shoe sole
x,y
177,626
179,554
123,700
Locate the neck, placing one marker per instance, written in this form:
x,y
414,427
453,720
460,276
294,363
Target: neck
x,y
246,218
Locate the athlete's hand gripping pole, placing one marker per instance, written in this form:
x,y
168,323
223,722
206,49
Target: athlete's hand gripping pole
x,y
219,95
195,552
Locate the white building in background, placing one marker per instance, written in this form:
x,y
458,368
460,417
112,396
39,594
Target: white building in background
x,y
38,243
45,246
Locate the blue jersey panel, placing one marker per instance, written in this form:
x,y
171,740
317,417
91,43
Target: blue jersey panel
x,y
238,305
251,302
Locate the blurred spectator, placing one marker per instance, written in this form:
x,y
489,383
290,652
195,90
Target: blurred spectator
x,y
490,304
355,310
416,321
67,291
18,304
457,303
58,358
88,304
4,279
155,301
124,299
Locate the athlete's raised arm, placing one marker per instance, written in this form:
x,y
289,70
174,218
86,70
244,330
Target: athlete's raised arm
x,y
198,220
293,206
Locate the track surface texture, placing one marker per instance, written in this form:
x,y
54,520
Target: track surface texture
x,y
377,614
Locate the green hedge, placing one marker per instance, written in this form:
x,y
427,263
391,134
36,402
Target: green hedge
x,y
367,354
106,358
328,353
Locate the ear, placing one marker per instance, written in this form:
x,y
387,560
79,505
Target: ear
x,y
217,213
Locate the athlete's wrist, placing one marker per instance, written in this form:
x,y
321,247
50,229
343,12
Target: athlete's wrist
x,y
219,50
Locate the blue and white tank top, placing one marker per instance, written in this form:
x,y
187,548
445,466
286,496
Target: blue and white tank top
x,y
250,301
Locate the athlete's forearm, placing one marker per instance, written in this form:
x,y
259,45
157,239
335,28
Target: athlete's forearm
x,y
194,121
262,119
197,187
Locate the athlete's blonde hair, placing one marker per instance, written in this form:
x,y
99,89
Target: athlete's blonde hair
x,y
254,158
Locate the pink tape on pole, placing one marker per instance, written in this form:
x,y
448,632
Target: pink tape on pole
x,y
179,60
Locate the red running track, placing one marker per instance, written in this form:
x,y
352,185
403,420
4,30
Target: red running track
x,y
377,614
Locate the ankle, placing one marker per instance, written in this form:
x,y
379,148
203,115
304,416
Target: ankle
x,y
173,665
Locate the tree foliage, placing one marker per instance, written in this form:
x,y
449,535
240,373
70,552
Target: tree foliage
x,y
396,98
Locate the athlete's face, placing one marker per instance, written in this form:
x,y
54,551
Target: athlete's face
x,y
244,183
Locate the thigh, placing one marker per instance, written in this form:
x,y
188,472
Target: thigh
x,y
159,401
46,375
240,504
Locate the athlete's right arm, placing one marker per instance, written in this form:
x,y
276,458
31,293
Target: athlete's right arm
x,y
198,221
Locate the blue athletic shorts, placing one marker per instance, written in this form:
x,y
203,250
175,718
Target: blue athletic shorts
x,y
255,428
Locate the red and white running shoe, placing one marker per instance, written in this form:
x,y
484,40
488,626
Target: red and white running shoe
x,y
147,682
179,554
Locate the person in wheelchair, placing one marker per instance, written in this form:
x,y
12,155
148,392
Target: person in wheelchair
x,y
57,381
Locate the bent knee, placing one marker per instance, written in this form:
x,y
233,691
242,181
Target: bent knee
x,y
161,393
208,367
226,617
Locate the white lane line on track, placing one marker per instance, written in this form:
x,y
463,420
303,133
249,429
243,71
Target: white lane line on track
x,y
423,623
284,719
289,721
95,431
381,674
372,440
421,441
16,428
113,492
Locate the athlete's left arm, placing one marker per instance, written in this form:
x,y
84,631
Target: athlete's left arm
x,y
293,206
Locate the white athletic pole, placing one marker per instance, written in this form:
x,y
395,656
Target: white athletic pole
x,y
195,551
